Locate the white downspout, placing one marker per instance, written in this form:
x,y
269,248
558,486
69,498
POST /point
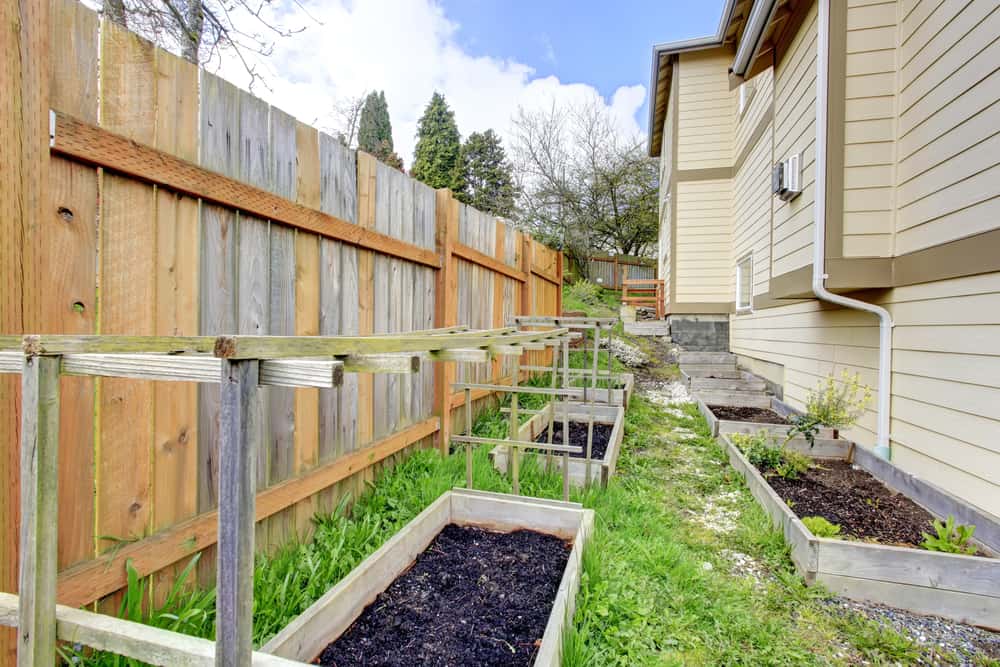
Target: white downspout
x,y
819,238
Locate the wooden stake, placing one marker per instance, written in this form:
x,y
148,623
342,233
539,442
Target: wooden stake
x,y
468,432
593,392
240,432
39,511
565,351
513,463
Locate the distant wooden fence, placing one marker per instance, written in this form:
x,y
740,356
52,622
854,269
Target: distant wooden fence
x,y
611,270
177,204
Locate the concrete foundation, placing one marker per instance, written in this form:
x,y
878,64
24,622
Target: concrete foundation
x,y
702,333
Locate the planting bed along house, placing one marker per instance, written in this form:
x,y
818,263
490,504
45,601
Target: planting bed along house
x,y
606,445
766,414
476,578
881,511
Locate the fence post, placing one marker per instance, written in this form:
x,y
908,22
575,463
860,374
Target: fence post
x,y
367,170
445,307
39,511
527,288
239,435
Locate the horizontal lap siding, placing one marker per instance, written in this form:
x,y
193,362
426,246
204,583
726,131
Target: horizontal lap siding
x,y
705,127
704,239
949,147
795,132
869,130
752,213
945,381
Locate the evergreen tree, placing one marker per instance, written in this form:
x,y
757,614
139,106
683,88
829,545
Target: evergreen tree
x,y
375,130
485,175
435,159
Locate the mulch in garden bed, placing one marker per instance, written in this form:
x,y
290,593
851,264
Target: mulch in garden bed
x,y
473,597
860,504
741,414
578,438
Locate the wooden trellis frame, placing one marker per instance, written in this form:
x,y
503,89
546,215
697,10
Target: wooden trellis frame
x,y
240,364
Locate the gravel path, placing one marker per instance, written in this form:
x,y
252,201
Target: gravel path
x,y
939,636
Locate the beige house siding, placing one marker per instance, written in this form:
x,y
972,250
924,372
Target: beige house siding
x,y
704,241
869,129
795,132
949,144
945,382
705,125
752,214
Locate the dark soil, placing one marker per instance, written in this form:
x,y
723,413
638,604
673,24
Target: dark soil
x,y
759,415
860,504
473,597
578,438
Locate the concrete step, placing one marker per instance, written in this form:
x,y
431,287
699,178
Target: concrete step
x,y
743,399
707,369
750,383
648,328
729,373
707,358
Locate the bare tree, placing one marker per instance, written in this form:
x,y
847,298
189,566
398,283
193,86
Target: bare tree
x,y
584,188
200,29
347,118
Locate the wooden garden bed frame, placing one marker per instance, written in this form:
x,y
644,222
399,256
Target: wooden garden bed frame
x,y
963,588
780,431
329,617
581,471
240,364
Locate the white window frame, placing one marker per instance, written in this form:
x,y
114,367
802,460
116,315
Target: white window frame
x,y
744,307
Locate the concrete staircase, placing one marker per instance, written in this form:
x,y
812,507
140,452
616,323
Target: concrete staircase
x,y
715,378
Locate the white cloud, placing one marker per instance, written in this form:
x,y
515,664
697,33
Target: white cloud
x,y
409,50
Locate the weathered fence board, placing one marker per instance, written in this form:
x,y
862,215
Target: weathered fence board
x,y
141,458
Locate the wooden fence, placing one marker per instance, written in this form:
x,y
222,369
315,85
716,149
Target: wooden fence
x,y
173,203
612,270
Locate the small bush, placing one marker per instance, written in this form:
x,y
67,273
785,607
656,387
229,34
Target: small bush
x,y
838,406
950,537
758,449
820,527
586,292
792,464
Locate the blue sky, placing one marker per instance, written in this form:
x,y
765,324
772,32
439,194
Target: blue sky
x,y
605,44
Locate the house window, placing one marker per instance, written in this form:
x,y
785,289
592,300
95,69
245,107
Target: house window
x,y
744,284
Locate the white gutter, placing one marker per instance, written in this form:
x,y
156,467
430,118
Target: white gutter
x,y
760,16
882,447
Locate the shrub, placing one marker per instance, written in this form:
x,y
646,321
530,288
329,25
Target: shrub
x,y
758,449
838,405
950,537
792,464
585,292
820,527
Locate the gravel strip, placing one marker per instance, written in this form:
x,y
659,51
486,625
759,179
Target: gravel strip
x,y
937,635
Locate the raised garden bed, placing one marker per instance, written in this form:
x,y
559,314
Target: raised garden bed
x,y
775,419
621,394
476,578
964,588
608,434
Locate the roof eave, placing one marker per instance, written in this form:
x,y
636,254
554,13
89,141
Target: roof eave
x,y
680,46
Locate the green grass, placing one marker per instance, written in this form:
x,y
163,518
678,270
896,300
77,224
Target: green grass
x,y
647,596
